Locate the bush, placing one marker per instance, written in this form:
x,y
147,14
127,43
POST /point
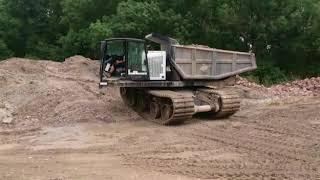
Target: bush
x,y
268,74
4,51
43,50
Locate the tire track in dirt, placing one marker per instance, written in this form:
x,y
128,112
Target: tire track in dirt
x,y
212,168
290,122
198,166
264,148
254,144
264,137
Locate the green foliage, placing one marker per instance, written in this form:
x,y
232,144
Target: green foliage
x,y
285,35
79,14
4,51
268,74
135,19
75,42
131,19
29,24
43,50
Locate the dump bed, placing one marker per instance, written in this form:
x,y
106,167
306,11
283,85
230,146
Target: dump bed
x,y
200,62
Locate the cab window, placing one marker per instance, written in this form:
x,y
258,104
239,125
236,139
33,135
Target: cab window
x,y
137,61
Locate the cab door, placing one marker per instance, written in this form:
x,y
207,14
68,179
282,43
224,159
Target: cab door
x,y
137,65
112,51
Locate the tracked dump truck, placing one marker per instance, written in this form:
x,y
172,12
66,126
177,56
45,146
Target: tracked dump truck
x,y
172,84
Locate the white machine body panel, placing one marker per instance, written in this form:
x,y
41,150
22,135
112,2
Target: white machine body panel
x,y
157,65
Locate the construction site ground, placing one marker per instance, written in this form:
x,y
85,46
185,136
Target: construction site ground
x,y
56,124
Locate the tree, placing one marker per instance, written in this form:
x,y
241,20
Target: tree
x,y
131,19
285,35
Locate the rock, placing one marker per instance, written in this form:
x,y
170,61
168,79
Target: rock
x,y
7,120
305,87
5,116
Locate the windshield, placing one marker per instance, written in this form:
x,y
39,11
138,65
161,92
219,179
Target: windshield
x,y
115,48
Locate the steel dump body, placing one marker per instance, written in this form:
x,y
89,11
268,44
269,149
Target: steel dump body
x,y
204,63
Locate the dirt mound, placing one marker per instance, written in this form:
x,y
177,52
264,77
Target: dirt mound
x,y
45,92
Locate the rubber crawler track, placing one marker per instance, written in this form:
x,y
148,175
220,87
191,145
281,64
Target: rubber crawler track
x,y
177,106
229,101
182,104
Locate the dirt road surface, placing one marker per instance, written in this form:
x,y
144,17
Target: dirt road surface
x,y
55,124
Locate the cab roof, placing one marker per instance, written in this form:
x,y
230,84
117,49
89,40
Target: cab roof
x,y
125,39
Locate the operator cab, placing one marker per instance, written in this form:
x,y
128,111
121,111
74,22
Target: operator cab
x,y
127,61
124,58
